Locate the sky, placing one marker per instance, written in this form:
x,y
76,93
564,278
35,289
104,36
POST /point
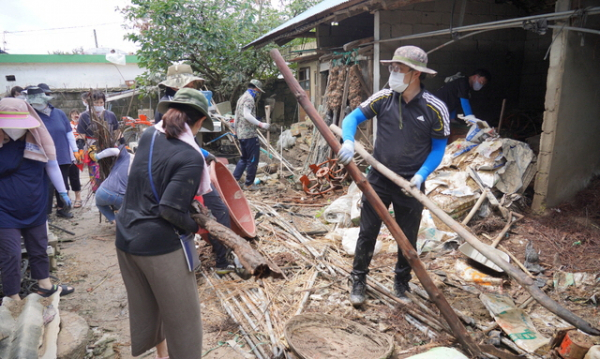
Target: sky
x,y
45,26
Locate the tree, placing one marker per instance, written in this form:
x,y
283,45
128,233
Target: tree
x,y
209,35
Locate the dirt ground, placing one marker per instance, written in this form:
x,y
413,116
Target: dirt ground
x,y
567,238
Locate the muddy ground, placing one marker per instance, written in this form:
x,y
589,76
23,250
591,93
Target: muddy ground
x,y
568,238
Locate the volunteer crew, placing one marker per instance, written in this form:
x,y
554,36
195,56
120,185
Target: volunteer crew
x,y
412,132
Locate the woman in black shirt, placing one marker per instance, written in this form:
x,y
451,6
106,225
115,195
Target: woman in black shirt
x,y
166,174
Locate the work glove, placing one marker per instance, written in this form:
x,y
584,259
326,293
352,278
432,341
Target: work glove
x,y
65,197
265,125
346,152
210,158
415,182
78,155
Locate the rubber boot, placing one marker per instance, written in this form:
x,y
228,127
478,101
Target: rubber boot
x,y
400,288
358,294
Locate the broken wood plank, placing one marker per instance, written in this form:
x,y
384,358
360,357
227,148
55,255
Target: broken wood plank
x,y
248,256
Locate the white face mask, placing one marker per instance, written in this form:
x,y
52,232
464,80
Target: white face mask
x,y
85,104
477,85
39,106
15,133
397,82
98,109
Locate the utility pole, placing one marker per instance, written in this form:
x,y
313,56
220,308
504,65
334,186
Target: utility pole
x,y
95,38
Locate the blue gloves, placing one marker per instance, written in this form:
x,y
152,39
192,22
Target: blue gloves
x,y
346,153
65,197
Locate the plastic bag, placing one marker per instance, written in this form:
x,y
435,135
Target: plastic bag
x,y
339,211
286,140
349,239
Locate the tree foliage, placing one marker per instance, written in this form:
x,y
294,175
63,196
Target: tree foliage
x,y
209,35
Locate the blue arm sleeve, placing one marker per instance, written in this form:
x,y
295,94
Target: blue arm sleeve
x,y
438,146
466,106
350,124
204,152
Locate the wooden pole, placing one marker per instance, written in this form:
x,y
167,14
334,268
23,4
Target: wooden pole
x,y
268,114
501,115
408,251
522,278
253,261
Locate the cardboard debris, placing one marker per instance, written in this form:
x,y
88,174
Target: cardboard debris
x,y
515,323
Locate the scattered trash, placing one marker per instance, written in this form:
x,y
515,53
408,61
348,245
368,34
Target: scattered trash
x,y
573,344
430,239
515,323
470,274
286,140
350,237
339,211
562,280
317,335
475,255
440,353
593,353
532,259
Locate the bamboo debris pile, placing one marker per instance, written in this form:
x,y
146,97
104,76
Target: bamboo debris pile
x,y
315,280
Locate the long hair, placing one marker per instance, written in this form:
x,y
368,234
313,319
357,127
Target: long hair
x,y
176,117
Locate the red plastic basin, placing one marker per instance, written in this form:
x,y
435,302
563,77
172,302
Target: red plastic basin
x,y
242,220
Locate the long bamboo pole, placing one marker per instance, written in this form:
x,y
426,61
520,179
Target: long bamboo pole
x,y
524,280
408,251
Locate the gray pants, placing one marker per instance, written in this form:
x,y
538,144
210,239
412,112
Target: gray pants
x,y
163,304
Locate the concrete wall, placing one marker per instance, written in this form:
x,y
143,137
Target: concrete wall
x,y
68,101
570,150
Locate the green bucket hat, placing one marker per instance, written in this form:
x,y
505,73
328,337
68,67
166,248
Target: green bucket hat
x,y
413,57
178,76
192,98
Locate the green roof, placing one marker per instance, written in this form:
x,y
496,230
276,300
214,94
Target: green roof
x,y
36,59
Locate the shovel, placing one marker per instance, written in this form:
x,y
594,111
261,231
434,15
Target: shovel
x,y
472,253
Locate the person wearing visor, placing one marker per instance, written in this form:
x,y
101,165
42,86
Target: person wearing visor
x,y
167,172
27,160
246,126
456,92
59,127
178,77
412,132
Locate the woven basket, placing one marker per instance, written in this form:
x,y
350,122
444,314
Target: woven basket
x,y
320,336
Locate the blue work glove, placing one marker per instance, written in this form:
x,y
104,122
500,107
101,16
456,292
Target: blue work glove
x,y
65,197
346,152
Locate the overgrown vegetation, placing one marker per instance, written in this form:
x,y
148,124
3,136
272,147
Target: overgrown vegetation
x,y
209,35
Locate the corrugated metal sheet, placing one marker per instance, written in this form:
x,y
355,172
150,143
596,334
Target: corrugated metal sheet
x,y
314,11
24,329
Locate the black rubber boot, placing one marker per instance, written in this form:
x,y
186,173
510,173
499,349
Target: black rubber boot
x,y
358,294
401,287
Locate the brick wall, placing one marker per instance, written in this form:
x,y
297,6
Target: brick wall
x,y
68,101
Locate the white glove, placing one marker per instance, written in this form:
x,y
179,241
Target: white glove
x,y
416,181
265,125
346,152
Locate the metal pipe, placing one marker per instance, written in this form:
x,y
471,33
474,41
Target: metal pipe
x,y
518,22
580,29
